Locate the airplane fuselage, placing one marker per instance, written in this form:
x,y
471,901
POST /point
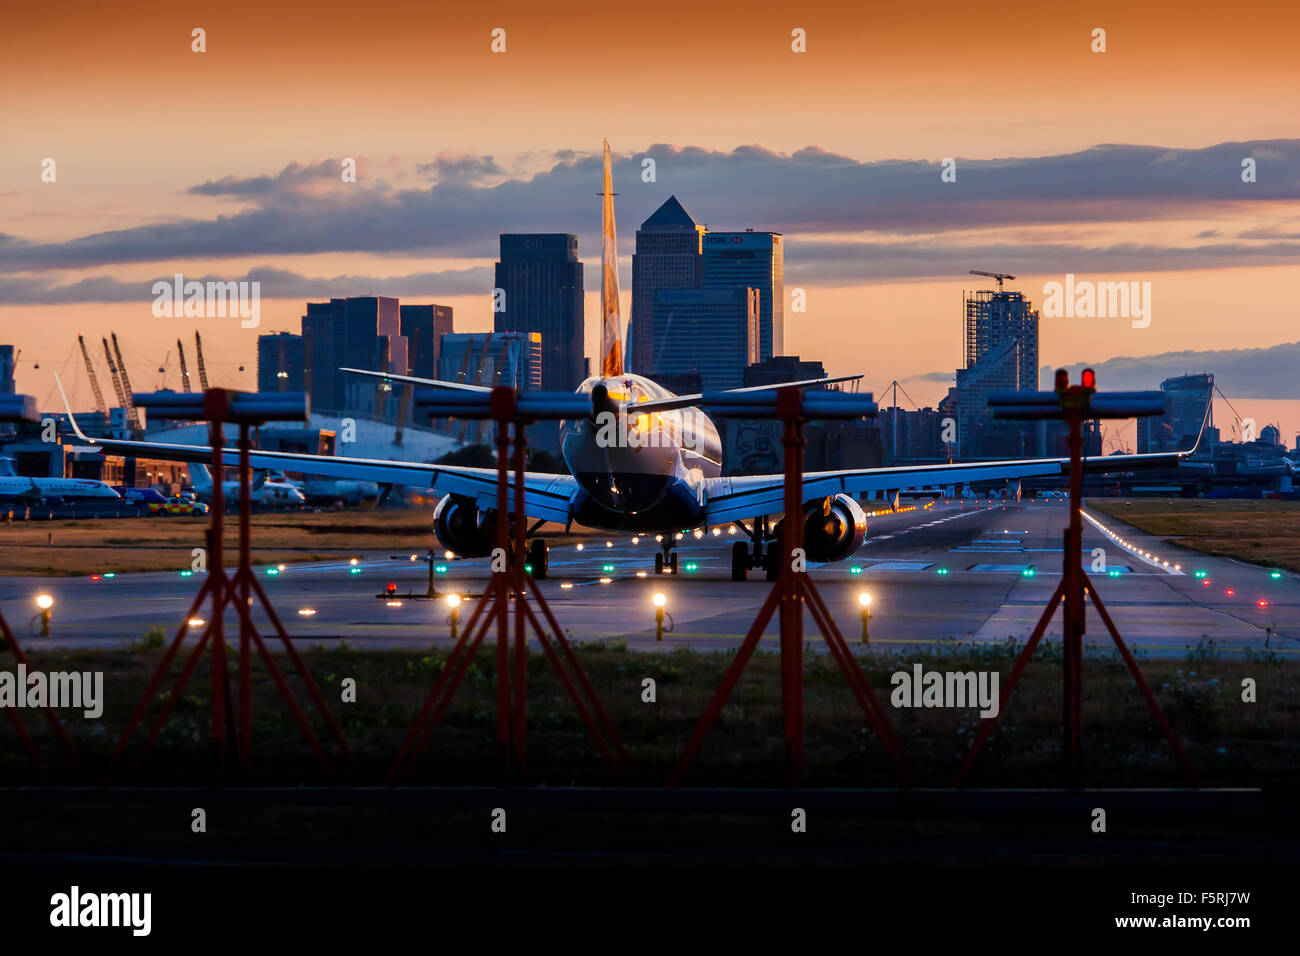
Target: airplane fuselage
x,y
639,472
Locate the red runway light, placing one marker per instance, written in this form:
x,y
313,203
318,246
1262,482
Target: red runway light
x,y
1205,583
392,586
1263,603
1230,592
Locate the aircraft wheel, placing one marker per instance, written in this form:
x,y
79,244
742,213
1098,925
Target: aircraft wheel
x,y
740,561
770,562
659,564
539,559
672,562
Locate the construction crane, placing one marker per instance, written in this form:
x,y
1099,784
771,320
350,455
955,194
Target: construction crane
x,y
993,275
185,372
132,416
203,372
94,382
162,372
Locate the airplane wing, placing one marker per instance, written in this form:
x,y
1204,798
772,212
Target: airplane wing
x,y
545,495
685,401
749,496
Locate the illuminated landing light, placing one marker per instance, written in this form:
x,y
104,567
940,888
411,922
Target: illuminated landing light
x,y
636,539
609,544
677,536
196,622
641,574
606,580
864,599
306,612
659,538
448,555
1178,567
415,557
279,567
393,603
717,532
44,601
579,547
731,530
354,562
698,534
566,585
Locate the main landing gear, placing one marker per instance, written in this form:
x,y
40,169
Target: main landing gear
x,y
538,558
667,557
753,553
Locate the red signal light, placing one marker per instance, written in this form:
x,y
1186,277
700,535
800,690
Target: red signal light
x,y
392,586
1089,379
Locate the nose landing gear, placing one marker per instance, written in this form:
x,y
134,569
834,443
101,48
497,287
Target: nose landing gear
x,y
666,558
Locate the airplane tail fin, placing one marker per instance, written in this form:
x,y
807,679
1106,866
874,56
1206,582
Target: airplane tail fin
x,y
611,337
200,477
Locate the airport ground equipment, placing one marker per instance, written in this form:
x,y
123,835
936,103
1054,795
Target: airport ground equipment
x,y
511,410
224,591
22,408
794,590
1074,404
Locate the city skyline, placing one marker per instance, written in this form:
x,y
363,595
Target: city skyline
x,y
879,244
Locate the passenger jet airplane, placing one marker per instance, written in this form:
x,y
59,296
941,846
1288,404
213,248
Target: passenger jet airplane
x,y
663,487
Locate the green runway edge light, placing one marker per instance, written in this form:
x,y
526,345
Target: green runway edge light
x,y
354,570
1028,572
440,569
1275,575
692,566
856,569
942,571
1200,573
607,568
272,572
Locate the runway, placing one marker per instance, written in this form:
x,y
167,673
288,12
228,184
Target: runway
x,y
957,571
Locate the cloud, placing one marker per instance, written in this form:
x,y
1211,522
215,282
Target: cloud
x,y
1240,373
275,284
306,209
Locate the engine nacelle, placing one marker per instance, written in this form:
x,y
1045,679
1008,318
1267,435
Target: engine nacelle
x,y
462,528
833,528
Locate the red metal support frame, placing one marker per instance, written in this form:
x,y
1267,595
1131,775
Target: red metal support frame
x,y
511,582
792,590
1073,590
11,642
230,719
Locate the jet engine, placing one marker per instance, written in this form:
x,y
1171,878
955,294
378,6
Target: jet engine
x,y
462,528
833,528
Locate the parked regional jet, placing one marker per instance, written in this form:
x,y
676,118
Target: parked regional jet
x,y
662,486
16,487
267,490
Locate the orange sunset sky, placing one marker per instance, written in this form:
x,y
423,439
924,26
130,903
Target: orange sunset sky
x,y
1122,165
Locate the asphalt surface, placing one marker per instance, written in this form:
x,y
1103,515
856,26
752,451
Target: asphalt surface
x,y
955,571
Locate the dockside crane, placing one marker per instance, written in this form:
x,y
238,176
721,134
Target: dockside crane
x,y
132,416
94,381
992,275
185,371
203,371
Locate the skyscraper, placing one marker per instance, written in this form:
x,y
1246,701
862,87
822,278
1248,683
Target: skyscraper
x,y
667,256
713,332
359,332
755,260
994,317
424,326
280,364
541,278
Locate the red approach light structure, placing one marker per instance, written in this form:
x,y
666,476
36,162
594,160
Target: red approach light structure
x,y
1075,404
22,408
246,409
794,590
510,582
